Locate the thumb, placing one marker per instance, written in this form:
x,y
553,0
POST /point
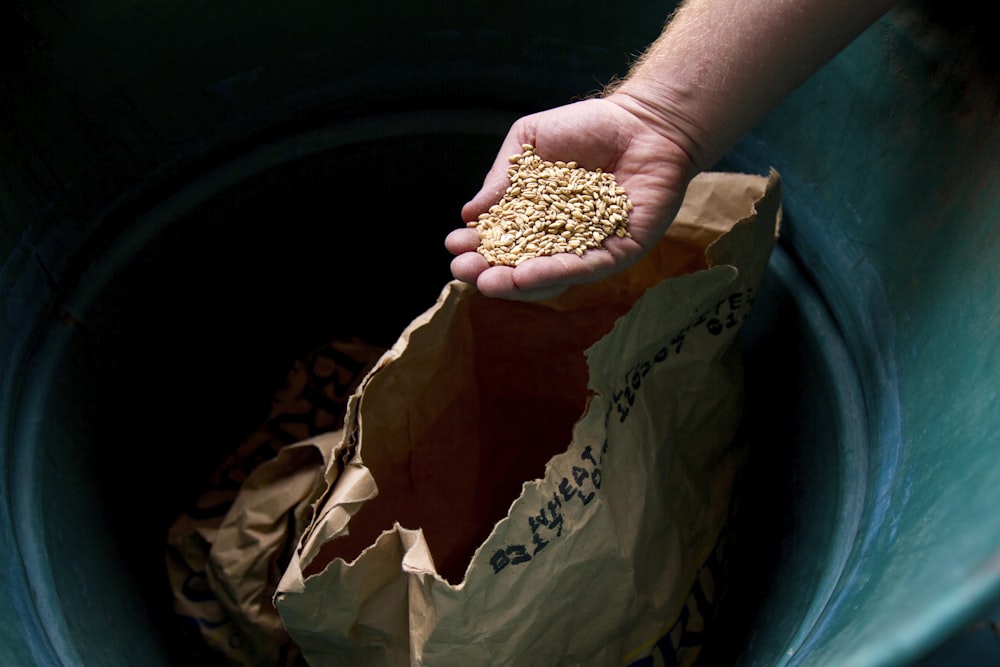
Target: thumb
x,y
497,181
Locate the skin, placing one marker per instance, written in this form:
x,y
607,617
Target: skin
x,y
717,68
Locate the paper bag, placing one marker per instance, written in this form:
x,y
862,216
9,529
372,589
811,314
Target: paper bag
x,y
543,483
246,557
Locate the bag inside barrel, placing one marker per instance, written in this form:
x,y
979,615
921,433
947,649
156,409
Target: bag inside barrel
x,y
483,400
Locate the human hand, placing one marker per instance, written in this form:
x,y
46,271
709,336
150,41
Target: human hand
x,y
609,133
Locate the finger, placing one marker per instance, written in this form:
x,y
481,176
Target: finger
x,y
563,270
525,295
468,267
498,282
496,181
461,240
494,186
536,279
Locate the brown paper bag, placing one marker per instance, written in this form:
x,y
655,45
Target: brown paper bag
x,y
542,484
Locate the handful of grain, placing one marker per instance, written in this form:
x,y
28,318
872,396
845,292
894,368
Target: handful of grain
x,y
551,207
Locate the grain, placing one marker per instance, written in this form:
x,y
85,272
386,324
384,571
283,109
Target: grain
x,y
550,208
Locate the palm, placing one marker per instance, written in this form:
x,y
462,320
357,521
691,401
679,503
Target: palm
x,y
596,134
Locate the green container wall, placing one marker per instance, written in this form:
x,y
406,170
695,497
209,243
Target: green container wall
x,y
892,181
158,165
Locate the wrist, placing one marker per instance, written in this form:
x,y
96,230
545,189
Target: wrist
x,y
658,114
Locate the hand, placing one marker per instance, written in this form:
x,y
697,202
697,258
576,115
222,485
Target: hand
x,y
610,133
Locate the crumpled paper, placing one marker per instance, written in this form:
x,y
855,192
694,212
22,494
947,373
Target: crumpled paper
x,y
226,553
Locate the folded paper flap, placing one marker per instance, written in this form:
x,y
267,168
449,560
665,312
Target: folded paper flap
x,y
749,243
344,451
355,486
715,201
369,610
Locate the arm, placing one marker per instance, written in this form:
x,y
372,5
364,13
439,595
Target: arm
x,y
720,65
717,68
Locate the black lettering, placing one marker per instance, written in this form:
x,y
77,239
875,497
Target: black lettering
x,y
736,300
622,413
565,489
499,560
556,522
196,587
677,341
518,554
630,396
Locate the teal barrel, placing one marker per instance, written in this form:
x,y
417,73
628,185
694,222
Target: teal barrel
x,y
192,194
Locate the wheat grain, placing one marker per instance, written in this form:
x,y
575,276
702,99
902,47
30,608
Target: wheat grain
x,y
549,208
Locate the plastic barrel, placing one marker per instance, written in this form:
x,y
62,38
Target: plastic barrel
x,y
161,166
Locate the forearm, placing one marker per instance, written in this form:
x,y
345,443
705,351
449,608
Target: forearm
x,y
720,65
